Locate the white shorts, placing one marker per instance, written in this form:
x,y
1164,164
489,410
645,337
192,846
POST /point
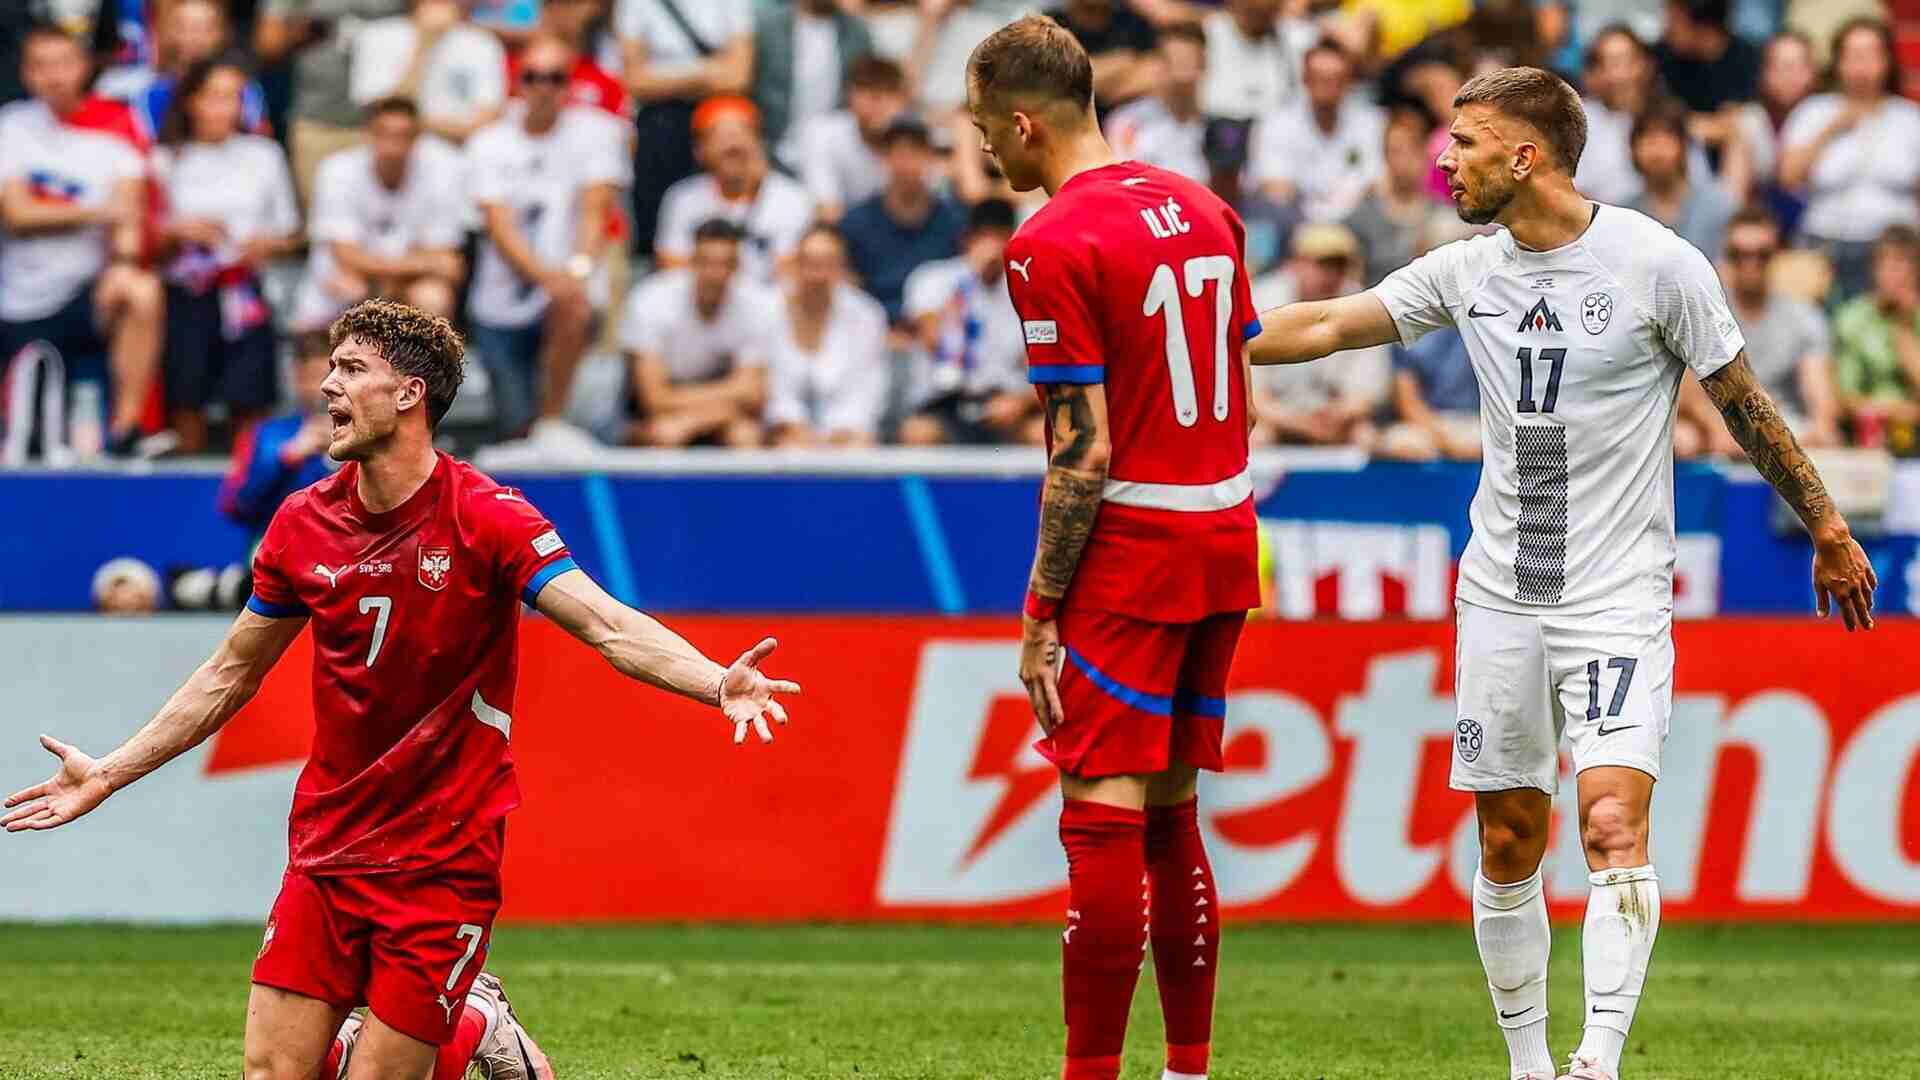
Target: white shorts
x,y
1604,680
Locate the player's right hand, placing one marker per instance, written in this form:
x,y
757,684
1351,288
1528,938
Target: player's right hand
x,y
1843,577
72,792
746,694
1040,655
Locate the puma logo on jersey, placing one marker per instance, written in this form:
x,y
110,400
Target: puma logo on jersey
x,y
441,1000
1132,181
1020,267
332,576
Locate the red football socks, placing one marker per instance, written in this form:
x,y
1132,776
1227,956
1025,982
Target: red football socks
x,y
1186,932
456,1055
1106,937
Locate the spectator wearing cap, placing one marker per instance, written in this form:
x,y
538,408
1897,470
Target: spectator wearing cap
x,y
905,226
543,178
1166,128
1876,340
232,212
738,186
581,23
72,206
1851,153
841,165
1120,43
971,386
697,339
189,32
1398,218
1699,212
1319,404
280,455
803,53
676,53
317,36
1788,343
830,371
455,71
387,220
1320,158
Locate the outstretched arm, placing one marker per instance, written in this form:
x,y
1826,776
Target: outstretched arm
x,y
1070,500
211,696
1841,571
1311,329
640,647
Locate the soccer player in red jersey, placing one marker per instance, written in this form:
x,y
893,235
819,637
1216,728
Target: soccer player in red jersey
x,y
410,567
1132,293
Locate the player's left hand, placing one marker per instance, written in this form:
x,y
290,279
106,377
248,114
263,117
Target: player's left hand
x,y
1040,655
1844,578
75,790
746,695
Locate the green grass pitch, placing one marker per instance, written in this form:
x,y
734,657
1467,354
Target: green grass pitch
x,y
907,1003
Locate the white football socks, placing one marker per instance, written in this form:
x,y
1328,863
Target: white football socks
x,y
1510,926
1616,944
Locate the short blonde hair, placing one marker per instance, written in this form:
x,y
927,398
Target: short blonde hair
x,y
1033,58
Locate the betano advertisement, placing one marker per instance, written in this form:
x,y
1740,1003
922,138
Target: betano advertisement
x,y
905,787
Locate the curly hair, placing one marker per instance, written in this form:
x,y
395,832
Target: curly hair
x,y
415,343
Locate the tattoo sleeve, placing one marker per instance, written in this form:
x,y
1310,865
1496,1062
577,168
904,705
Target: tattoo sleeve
x,y
1071,498
1756,424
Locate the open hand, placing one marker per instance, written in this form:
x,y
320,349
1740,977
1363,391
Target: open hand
x,y
1040,654
746,694
1843,577
73,791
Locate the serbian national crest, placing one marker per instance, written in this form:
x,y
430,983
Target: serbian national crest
x,y
436,563
1595,311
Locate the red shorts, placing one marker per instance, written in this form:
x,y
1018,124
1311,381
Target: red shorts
x,y
1140,695
407,945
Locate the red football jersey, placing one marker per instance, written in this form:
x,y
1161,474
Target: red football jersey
x,y
415,620
1135,277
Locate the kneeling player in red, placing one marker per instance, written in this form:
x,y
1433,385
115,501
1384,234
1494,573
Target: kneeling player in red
x,y
410,568
1133,297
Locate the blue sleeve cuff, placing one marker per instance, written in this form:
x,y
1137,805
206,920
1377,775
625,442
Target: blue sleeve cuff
x,y
1076,374
1253,330
275,611
545,574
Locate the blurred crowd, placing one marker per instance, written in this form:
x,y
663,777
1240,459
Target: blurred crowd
x,y
770,223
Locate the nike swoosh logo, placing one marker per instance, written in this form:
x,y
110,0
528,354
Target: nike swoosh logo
x,y
1505,1015
1598,1009
1475,313
1605,730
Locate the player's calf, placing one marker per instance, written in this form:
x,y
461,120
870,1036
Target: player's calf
x,y
1185,933
1102,947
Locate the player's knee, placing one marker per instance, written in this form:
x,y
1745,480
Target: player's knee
x,y
268,1065
1614,832
1511,844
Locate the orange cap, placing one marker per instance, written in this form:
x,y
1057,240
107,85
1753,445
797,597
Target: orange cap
x,y
725,106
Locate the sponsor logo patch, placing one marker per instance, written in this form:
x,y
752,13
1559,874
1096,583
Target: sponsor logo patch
x,y
547,543
1041,331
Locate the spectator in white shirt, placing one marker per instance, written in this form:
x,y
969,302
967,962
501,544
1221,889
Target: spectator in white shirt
x,y
1167,128
543,179
677,53
771,208
388,221
972,387
1621,82
1319,404
231,211
1322,157
698,340
1254,53
454,70
830,366
1853,153
72,208
841,164
1788,76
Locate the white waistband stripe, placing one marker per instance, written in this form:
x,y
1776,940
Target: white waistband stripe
x,y
1190,498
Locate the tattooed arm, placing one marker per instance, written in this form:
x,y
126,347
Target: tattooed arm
x,y
1840,569
1070,500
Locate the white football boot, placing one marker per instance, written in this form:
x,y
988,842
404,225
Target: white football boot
x,y
348,1035
509,1053
1579,1068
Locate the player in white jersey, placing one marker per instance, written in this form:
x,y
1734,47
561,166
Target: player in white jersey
x,y
1581,320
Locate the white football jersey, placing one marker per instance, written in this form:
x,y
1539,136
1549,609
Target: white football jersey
x,y
1579,352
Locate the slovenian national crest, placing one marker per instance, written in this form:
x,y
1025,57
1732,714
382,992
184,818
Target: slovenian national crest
x,y
436,565
1595,312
